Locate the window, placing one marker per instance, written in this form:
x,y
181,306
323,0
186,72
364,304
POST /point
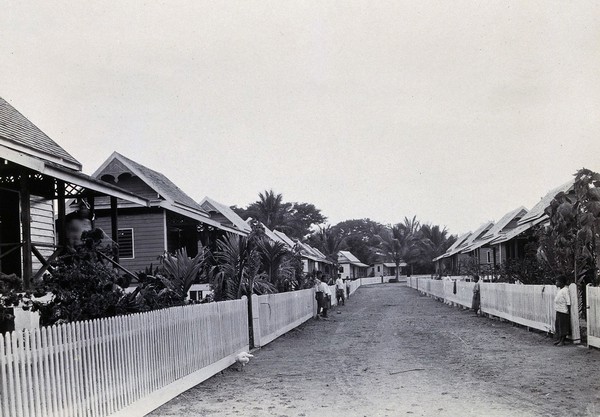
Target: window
x,y
489,257
125,241
378,268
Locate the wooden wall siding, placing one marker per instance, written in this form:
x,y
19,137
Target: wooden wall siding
x,y
148,236
42,227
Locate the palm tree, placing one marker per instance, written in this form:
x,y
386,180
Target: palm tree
x,y
238,265
330,241
435,241
410,226
400,243
276,264
270,210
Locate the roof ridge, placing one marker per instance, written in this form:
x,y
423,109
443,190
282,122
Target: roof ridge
x,y
156,180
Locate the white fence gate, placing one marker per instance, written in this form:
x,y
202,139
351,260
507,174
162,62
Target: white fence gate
x,y
593,316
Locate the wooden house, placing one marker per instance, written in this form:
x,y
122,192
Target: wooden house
x,y
487,254
385,269
313,261
173,220
510,243
472,257
351,267
285,238
37,176
450,262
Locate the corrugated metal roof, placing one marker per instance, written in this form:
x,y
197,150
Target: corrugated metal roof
x,y
345,257
455,247
538,210
475,236
17,132
495,231
268,232
512,233
229,214
501,224
285,238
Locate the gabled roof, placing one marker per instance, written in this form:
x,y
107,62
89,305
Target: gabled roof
x,y
512,233
346,257
285,238
538,210
268,232
476,237
311,253
172,198
18,133
506,223
319,252
154,179
208,204
456,247
393,265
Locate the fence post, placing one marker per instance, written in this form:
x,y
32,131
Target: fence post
x,y
256,320
575,332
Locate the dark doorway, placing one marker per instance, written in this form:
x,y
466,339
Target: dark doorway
x,y
10,232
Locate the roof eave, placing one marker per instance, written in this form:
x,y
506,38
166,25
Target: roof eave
x,y
19,148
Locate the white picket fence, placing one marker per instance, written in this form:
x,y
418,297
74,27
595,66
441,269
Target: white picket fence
x,y
130,365
277,314
527,305
124,365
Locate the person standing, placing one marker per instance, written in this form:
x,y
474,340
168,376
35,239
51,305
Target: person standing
x,y
326,298
319,296
476,302
339,291
347,288
562,305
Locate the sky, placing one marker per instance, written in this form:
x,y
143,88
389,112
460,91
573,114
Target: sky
x,y
456,112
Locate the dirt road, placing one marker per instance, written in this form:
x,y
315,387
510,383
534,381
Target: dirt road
x,y
393,352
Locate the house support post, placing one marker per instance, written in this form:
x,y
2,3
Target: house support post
x,y
61,232
26,228
91,202
114,226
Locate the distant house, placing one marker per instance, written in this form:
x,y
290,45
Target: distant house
x,y
35,172
313,260
493,244
285,238
225,215
385,269
351,266
172,221
510,243
487,254
450,262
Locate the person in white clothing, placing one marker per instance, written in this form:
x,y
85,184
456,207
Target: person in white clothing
x,y
326,297
339,291
562,306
